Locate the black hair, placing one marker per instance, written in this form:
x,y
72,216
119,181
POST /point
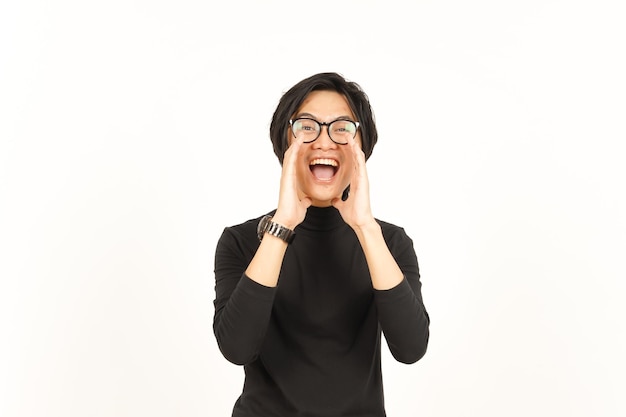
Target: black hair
x,y
326,81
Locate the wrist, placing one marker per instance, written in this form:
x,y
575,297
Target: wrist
x,y
284,221
268,226
367,228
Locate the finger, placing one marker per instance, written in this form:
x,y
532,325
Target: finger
x,y
357,152
358,156
291,156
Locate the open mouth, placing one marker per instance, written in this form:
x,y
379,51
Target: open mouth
x,y
323,169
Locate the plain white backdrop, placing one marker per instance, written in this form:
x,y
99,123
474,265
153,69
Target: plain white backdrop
x,y
133,132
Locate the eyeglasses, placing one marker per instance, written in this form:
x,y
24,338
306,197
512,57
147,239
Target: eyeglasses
x,y
340,131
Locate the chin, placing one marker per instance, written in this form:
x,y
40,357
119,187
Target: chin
x,y
323,199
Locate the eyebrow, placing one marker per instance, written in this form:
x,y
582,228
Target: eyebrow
x,y
345,117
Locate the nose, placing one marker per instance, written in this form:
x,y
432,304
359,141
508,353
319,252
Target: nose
x,y
324,141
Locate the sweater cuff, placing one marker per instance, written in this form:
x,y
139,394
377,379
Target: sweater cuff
x,y
395,294
255,290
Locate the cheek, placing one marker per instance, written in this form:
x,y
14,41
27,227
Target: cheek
x,y
348,169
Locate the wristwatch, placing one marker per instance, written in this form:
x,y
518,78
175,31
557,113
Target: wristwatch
x,y
266,225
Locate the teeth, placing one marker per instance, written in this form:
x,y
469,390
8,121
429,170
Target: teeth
x,y
324,161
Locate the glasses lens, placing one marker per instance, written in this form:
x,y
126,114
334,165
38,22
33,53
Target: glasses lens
x,y
342,130
306,129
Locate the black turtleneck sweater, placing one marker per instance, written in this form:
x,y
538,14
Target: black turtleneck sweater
x,y
311,346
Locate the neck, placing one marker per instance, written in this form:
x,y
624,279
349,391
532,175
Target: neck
x,y
322,219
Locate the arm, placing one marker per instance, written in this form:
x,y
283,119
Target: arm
x,y
242,306
397,288
393,270
246,275
243,303
265,266
401,312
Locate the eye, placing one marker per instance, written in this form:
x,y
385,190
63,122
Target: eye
x,y
343,126
306,125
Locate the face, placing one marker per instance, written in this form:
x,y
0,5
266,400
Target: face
x,y
324,168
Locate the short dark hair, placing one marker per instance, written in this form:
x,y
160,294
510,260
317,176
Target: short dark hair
x,y
325,81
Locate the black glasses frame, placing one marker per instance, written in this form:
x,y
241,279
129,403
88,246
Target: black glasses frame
x,y
321,125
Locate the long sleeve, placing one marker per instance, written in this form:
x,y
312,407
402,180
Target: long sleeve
x,y
312,343
401,312
242,306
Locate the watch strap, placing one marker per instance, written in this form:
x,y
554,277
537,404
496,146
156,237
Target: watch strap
x,y
266,225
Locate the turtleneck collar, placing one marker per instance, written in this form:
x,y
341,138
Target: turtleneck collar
x,y
321,219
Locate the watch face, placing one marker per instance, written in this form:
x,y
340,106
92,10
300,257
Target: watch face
x,y
260,230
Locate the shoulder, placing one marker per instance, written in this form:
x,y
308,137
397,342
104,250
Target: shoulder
x,y
395,236
245,226
244,231
392,230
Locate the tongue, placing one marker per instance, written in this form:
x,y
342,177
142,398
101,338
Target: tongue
x,y
323,172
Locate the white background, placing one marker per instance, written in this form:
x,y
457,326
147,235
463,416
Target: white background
x,y
133,132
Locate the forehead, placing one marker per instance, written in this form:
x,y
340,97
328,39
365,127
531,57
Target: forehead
x,y
326,105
